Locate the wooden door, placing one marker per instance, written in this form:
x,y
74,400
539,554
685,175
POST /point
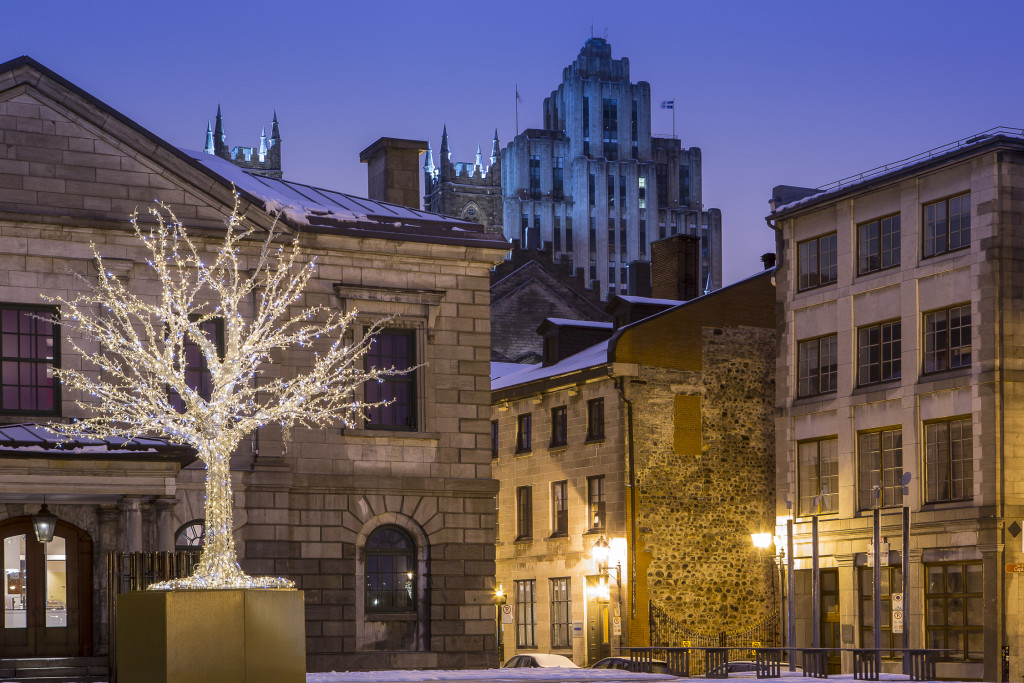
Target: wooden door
x,y
47,591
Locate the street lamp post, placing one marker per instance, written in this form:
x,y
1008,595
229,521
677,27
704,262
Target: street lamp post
x,y
499,601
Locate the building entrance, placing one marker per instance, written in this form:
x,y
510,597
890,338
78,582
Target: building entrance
x,y
47,591
598,643
830,629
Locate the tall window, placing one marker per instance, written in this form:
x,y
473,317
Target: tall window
x,y
494,438
390,571
586,130
197,371
634,136
526,613
947,225
643,235
611,129
817,366
881,465
29,351
595,419
525,230
954,609
559,426
641,191
593,239
392,348
878,353
524,512
949,460
623,195
661,183
556,232
535,177
818,262
557,180
568,234
891,580
595,502
878,244
947,339
560,508
524,433
818,469
611,191
592,189
561,613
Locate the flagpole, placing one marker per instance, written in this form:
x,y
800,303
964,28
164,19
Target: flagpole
x,y
517,109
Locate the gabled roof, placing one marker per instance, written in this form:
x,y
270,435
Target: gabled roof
x,y
304,207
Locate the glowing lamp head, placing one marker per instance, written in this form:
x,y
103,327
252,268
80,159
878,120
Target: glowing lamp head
x,y
761,540
600,552
44,522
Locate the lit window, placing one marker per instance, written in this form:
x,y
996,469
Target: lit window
x,y
526,613
561,613
818,468
817,366
881,466
596,503
947,339
949,460
560,508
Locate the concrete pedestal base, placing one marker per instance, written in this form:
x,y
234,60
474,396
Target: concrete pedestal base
x,y
211,636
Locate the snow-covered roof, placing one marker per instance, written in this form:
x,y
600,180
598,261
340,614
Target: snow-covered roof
x,y
649,300
306,205
587,358
579,323
502,369
29,438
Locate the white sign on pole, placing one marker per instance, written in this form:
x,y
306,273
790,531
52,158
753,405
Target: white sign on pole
x,y
897,612
506,614
616,626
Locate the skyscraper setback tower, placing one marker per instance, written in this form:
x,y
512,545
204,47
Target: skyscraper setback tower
x,y
595,183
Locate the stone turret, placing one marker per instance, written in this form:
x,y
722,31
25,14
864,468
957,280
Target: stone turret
x,y
265,160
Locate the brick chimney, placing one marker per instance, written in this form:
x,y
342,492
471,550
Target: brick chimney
x,y
675,268
393,175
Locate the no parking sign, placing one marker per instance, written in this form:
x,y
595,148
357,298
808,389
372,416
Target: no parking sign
x,y
506,614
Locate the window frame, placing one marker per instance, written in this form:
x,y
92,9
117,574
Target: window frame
x,y
946,353
203,369
889,353
946,232
524,433
832,269
526,613
560,508
597,504
966,628
561,612
524,513
805,499
888,478
865,603
559,425
832,373
410,379
494,439
51,315
947,462
595,419
409,553
894,236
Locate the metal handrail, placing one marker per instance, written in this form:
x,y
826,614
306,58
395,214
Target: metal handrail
x,y
1004,131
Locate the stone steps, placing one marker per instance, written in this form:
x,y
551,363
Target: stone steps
x,y
54,670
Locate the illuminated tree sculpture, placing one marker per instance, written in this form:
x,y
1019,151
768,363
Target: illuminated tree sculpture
x,y
251,284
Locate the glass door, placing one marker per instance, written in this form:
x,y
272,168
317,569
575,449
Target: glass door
x,y
46,592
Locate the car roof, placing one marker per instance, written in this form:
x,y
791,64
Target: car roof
x,y
553,660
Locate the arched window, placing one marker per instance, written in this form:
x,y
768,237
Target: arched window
x,y
390,571
191,535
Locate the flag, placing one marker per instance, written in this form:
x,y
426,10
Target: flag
x,y
668,104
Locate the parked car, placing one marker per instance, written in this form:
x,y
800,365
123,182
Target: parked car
x,y
540,661
655,666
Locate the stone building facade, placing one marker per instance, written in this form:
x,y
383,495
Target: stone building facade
x,y
597,185
71,172
899,321
657,441
470,191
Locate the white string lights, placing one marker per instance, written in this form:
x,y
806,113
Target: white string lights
x,y
140,369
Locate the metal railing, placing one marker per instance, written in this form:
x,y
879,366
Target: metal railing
x,y
924,156
716,662
127,572
666,631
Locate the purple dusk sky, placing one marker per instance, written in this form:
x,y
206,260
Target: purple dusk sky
x,y
799,93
